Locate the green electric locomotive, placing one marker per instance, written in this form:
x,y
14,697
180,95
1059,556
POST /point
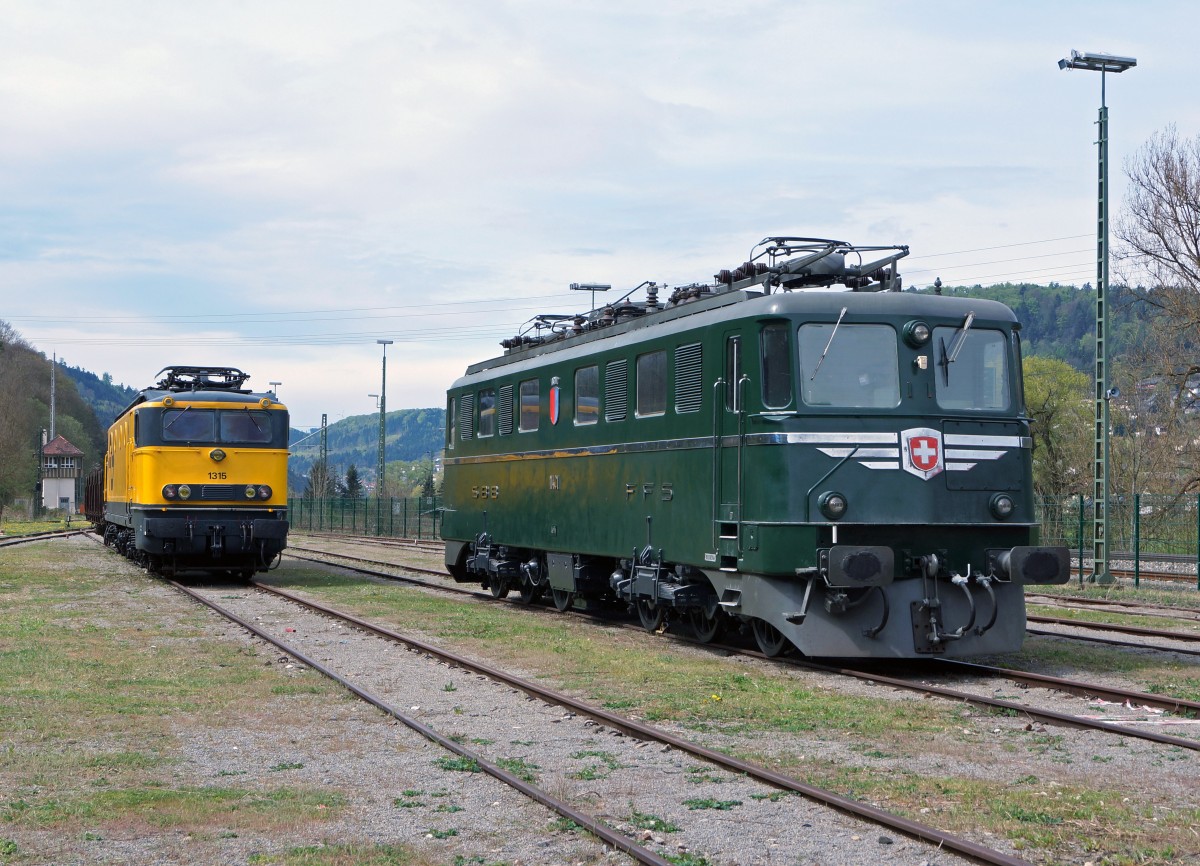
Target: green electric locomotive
x,y
798,447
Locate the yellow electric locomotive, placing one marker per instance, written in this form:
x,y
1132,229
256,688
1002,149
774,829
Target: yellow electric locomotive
x,y
195,477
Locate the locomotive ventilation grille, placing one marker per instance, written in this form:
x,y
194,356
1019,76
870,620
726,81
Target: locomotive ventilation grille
x,y
220,491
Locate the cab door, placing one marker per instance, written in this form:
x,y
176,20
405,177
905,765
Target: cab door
x,y
728,451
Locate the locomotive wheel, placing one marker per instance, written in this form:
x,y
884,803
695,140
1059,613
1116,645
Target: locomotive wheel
x,y
529,593
563,600
706,628
499,587
769,639
652,617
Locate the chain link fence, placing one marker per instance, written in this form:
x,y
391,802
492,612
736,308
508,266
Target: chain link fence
x,y
1148,534
392,517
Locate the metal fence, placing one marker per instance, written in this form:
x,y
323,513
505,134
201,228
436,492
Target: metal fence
x,y
1148,533
393,517
1156,533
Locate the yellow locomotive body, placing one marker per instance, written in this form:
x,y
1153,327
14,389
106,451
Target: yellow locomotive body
x,y
196,475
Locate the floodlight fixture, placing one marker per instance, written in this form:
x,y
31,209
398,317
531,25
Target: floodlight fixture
x,y
1097,62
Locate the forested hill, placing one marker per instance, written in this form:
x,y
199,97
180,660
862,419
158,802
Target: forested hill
x,y
1060,321
107,399
25,412
412,435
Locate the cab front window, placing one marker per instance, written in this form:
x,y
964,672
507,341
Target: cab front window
x,y
849,366
189,425
971,368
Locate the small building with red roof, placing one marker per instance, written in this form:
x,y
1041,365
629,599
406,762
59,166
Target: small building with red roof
x,y
62,465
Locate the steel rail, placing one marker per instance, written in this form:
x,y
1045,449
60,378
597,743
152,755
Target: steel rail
x,y
1075,687
1041,632
1114,627
593,825
645,732
1158,611
11,541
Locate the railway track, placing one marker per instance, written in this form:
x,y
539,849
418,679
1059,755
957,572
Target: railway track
x,y
631,728
874,674
39,536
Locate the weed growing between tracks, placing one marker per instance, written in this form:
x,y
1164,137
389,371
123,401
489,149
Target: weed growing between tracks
x,y
909,755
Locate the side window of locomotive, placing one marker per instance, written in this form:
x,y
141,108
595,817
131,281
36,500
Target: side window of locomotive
x,y
587,395
487,413
733,374
243,426
971,368
189,425
531,406
849,366
776,366
451,423
651,384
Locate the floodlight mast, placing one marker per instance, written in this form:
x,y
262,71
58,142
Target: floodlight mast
x,y
1102,63
591,287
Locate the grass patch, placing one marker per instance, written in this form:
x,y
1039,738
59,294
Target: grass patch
x,y
458,764
644,821
600,769
174,808
341,855
519,767
696,803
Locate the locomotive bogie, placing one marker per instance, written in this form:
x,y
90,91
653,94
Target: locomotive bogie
x,y
845,473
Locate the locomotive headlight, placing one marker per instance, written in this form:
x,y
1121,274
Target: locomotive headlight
x,y
264,491
916,334
185,492
832,504
1002,506
250,491
170,491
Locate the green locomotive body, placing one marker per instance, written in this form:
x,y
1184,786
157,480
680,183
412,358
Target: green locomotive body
x,y
847,472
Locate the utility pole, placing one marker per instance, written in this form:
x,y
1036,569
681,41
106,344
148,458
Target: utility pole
x,y
379,484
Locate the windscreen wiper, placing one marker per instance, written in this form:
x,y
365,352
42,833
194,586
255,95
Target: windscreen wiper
x,y
824,352
177,417
959,339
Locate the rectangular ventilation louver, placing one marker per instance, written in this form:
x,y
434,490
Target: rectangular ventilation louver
x,y
506,409
615,385
689,389
466,416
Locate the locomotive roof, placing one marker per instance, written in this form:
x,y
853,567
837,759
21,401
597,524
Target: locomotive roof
x,y
210,384
784,276
731,306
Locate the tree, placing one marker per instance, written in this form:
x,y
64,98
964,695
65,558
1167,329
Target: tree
x,y
1057,397
321,483
1159,234
353,488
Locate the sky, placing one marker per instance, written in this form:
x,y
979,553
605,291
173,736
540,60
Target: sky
x,y
274,186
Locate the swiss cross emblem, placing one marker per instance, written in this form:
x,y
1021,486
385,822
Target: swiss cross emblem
x,y
922,452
